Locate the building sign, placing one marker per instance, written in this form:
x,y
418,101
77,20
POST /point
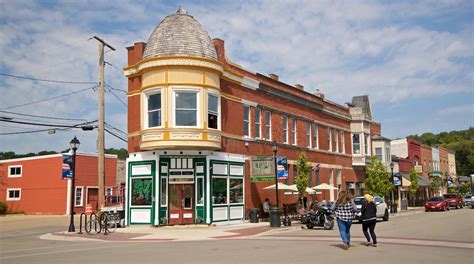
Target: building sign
x,y
397,179
67,162
418,168
262,169
282,168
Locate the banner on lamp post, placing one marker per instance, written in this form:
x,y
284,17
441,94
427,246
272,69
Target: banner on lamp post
x,y
282,167
66,166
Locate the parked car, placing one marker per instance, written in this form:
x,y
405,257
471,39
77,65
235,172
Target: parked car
x,y
467,200
437,203
382,208
454,200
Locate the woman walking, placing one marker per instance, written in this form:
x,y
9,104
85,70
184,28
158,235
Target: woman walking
x,y
369,212
345,211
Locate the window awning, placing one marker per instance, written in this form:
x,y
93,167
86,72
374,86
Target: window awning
x,y
422,181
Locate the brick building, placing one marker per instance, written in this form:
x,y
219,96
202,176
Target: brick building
x,y
201,130
35,185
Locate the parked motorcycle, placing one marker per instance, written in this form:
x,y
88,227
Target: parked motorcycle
x,y
322,216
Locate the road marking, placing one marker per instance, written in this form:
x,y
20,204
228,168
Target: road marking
x,y
398,241
125,244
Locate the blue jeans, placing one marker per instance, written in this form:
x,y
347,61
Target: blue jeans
x,y
345,230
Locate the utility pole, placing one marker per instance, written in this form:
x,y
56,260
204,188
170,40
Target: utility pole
x,y
100,134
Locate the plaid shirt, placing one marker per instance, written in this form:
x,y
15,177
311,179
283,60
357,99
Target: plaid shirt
x,y
345,212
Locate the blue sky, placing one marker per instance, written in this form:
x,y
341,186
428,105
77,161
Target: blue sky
x,y
414,59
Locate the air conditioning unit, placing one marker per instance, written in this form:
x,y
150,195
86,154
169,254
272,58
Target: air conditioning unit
x,y
351,185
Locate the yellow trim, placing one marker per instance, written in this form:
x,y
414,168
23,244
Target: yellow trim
x,y
134,134
172,57
166,136
173,84
130,94
180,129
204,136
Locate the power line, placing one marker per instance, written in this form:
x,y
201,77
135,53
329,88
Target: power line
x,y
112,127
47,99
47,117
116,96
46,125
31,131
115,135
43,80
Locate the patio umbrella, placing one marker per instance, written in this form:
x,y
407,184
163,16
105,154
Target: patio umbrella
x,y
324,186
308,190
281,186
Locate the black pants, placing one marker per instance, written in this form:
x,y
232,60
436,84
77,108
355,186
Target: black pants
x,y
370,225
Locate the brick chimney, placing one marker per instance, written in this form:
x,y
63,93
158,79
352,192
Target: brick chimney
x,y
135,52
299,87
273,76
220,49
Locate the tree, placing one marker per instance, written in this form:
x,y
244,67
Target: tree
x,y
301,180
465,188
121,153
378,178
435,184
414,183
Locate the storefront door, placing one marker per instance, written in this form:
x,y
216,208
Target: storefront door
x,y
181,203
92,198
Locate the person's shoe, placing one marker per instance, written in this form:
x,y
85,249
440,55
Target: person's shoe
x,y
374,245
345,246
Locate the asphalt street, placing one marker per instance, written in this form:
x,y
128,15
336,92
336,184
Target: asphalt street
x,y
439,237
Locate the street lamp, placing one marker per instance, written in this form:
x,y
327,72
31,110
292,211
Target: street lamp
x,y
393,196
74,145
275,212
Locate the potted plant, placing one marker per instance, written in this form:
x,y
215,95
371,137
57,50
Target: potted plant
x,y
199,220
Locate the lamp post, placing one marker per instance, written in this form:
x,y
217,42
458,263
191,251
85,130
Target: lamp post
x,y
275,212
74,145
393,196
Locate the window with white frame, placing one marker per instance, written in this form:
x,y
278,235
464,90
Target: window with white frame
x,y
78,196
154,110
336,140
388,157
343,142
378,153
285,129
293,131
13,194
186,108
212,111
308,134
315,136
356,143
329,139
268,124
15,171
257,123
247,120
366,144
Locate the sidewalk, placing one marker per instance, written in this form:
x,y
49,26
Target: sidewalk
x,y
172,233
410,211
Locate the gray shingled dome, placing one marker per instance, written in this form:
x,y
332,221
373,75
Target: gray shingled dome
x,y
180,34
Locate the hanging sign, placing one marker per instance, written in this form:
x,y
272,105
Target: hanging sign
x,y
418,168
66,167
262,169
282,167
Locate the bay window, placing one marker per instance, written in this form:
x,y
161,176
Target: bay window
x,y
212,111
186,108
154,110
356,143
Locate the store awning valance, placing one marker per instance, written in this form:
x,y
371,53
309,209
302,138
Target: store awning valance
x,y
422,181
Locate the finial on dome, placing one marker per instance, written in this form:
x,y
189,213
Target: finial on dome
x,y
181,11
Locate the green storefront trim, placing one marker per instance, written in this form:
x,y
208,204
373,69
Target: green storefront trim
x,y
129,189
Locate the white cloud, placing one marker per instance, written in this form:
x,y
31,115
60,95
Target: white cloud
x,y
344,48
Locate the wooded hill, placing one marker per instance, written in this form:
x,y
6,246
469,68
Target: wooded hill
x,y
462,142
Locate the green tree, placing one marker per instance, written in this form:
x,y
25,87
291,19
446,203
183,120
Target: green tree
x,y
378,178
301,180
435,184
465,188
414,183
121,153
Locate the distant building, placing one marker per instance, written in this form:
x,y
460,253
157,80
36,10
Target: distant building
x,y
35,185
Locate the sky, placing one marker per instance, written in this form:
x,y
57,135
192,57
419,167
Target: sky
x,y
415,59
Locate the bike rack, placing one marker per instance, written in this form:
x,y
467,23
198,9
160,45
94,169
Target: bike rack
x,y
80,223
93,221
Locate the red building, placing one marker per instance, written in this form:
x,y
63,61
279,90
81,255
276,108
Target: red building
x,y
201,130
35,185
